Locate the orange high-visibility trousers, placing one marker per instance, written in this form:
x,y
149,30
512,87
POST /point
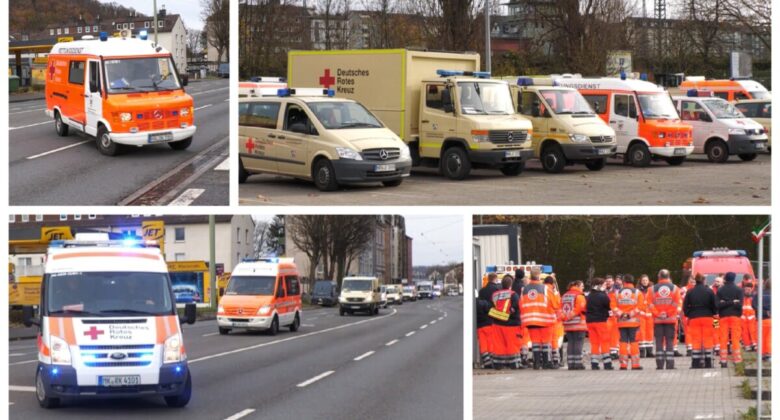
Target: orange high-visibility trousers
x,y
614,334
557,333
506,341
730,328
701,333
540,335
599,336
486,338
766,337
749,331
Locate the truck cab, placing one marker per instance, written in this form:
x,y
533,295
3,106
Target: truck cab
x,y
425,290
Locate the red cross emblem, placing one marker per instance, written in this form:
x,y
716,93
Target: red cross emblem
x,y
94,332
51,71
250,145
327,80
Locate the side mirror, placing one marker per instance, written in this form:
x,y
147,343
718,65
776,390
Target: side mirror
x,y
190,314
28,317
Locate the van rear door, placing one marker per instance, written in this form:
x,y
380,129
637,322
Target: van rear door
x,y
93,101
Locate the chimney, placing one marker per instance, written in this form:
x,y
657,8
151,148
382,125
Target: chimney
x,y
161,12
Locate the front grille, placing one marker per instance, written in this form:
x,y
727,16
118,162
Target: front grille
x,y
145,121
385,174
506,136
238,319
355,299
118,347
601,139
118,364
376,154
244,311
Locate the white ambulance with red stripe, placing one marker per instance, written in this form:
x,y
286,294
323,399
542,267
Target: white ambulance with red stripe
x,y
108,324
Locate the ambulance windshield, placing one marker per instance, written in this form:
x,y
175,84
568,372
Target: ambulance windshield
x,y
710,278
147,74
251,285
339,115
82,294
657,106
722,109
567,102
356,285
485,98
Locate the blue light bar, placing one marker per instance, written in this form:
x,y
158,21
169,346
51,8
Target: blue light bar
x,y
525,81
482,74
643,76
692,93
144,34
547,269
57,244
622,75
491,269
283,92
697,254
330,92
103,36
450,73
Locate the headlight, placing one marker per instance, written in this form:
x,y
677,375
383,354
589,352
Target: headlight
x,y
737,131
184,112
346,153
661,134
668,144
480,136
578,138
405,153
125,116
220,309
60,352
172,349
264,310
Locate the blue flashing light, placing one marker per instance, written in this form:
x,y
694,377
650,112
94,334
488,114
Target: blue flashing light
x,y
139,116
547,269
55,371
144,34
525,81
643,76
742,253
178,369
57,244
692,93
622,75
283,92
449,73
104,36
697,254
330,92
491,269
482,74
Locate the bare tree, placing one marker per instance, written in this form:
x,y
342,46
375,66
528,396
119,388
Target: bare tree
x,y
216,14
331,25
310,235
194,43
755,15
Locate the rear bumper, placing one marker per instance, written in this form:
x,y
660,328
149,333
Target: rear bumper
x,y
671,151
500,157
588,151
739,144
142,139
362,171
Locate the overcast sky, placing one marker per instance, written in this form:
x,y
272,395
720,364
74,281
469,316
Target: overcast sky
x,y
188,9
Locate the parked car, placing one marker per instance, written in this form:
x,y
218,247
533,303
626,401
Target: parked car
x,y
186,293
325,293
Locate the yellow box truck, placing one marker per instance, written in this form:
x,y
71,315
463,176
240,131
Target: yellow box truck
x,y
451,115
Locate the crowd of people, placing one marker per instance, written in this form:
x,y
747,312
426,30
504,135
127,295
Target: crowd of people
x,y
521,321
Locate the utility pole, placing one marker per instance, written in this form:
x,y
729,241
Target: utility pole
x,y
212,262
759,233
487,36
155,22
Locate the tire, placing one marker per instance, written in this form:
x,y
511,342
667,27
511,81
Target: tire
x,y
181,400
596,165
553,159
341,311
296,324
376,310
40,393
324,175
60,127
514,169
274,326
393,183
224,331
639,155
717,151
243,175
747,157
181,144
675,161
104,143
455,163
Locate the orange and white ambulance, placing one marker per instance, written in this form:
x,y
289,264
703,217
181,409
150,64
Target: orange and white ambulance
x,y
728,89
258,85
262,294
643,116
108,324
123,91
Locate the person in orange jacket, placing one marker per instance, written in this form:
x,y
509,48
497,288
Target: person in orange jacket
x,y
627,305
645,336
557,329
538,315
614,334
664,303
506,317
688,283
749,322
573,317
596,315
486,334
700,307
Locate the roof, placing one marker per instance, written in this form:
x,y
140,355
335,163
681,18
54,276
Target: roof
x,y
111,47
359,278
754,101
609,83
306,99
263,268
105,258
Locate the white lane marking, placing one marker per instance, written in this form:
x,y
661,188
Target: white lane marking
x,y
22,388
208,91
241,413
10,403
16,354
315,379
710,374
210,334
307,325
27,110
440,318
226,100
187,197
224,166
424,326
28,125
390,343
410,333
363,356
433,322
23,363
708,416
59,149
296,337
201,107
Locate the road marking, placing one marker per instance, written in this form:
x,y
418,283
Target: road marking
x,y
240,414
187,197
311,318
410,333
22,388
307,325
23,363
390,343
710,374
432,322
424,327
210,334
208,91
16,354
226,100
201,107
441,318
28,125
28,110
10,403
296,337
224,166
363,356
58,150
315,379
708,416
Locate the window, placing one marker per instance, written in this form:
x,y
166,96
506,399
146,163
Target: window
x,y
597,102
179,234
79,29
86,29
94,74
246,236
59,31
160,23
238,235
24,261
51,32
66,31
258,114
691,111
76,73
625,106
25,218
63,217
738,96
76,217
722,95
38,217
280,287
295,116
94,28
179,256
92,216
124,26
526,100
146,24
292,285
11,218
435,96
132,25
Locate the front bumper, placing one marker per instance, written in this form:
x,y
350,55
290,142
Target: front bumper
x,y
740,144
671,151
64,383
250,323
328,301
500,157
361,171
357,306
574,151
142,138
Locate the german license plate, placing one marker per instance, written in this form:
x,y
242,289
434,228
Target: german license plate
x,y
160,137
126,380
512,154
604,151
355,307
759,146
390,167
679,152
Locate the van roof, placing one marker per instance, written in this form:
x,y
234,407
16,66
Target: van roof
x,y
105,258
264,267
726,84
359,278
111,47
306,99
608,83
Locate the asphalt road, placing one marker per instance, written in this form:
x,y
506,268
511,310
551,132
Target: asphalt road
x,y
696,182
46,169
406,363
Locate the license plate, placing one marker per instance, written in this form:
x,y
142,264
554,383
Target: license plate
x,y
679,152
604,151
119,380
355,307
759,146
159,137
390,167
512,153
319,301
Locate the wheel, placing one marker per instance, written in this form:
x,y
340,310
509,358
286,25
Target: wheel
x,y
274,326
59,126
40,393
181,144
224,331
242,173
455,163
393,183
747,157
553,159
717,151
296,324
324,175
178,401
639,155
596,165
105,145
376,310
341,311
514,169
676,161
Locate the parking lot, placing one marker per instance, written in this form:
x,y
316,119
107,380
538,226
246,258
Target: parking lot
x,y
696,182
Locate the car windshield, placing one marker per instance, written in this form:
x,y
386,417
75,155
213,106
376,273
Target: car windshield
x,y
408,288
343,115
760,94
251,285
391,289
722,109
657,106
485,98
356,285
566,102
710,278
148,74
81,294
424,287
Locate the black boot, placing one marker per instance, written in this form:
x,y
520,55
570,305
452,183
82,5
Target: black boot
x,y
724,365
677,353
608,365
708,362
594,365
546,363
537,359
642,352
670,364
650,352
659,363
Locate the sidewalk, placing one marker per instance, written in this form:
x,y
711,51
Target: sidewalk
x,y
22,333
610,395
24,97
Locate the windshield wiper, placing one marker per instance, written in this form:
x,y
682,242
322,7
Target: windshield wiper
x,y
359,124
72,311
126,311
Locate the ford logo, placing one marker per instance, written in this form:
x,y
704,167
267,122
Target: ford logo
x,y
383,154
118,355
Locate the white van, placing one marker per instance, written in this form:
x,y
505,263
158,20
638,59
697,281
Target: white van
x,y
360,294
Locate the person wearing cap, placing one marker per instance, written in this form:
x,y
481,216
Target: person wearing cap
x,y
557,329
506,318
664,303
627,304
573,316
749,325
538,315
645,335
730,298
699,307
597,312
485,328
